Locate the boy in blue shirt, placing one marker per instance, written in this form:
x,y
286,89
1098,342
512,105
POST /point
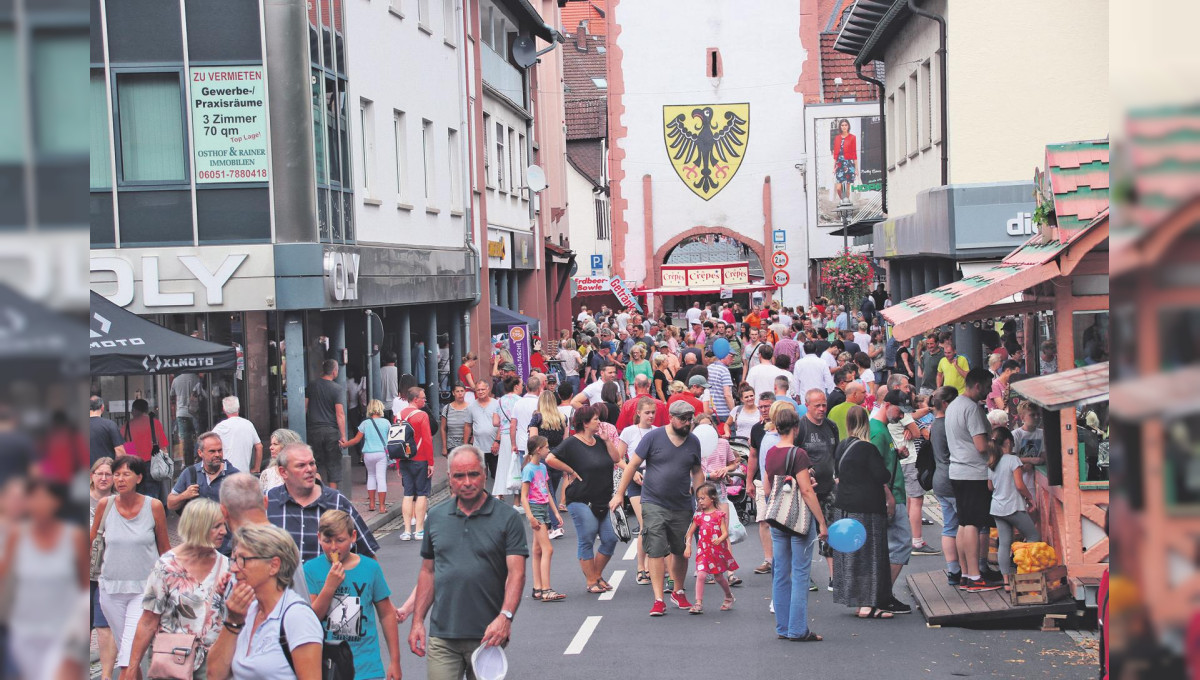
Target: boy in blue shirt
x,y
348,594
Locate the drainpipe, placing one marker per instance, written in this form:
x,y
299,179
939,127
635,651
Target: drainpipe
x,y
912,6
882,126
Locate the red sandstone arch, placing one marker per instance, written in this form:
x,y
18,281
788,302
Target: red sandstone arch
x,y
654,279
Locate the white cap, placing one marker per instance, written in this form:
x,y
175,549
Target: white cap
x,y
489,663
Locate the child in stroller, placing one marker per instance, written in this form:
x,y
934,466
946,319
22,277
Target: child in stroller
x,y
736,488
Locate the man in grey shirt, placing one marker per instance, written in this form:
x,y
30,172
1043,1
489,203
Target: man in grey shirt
x,y
185,391
943,491
966,436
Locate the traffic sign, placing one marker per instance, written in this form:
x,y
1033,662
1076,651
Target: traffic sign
x,y
779,236
597,262
779,259
781,278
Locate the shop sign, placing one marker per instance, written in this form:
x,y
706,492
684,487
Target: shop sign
x,y
704,278
592,284
1021,225
622,293
341,275
849,168
674,278
212,280
499,249
736,275
524,256
229,124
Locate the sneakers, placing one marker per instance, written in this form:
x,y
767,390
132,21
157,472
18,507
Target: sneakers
x,y
418,535
812,587
992,577
897,607
977,585
830,588
680,600
772,607
556,533
406,536
954,578
925,521
926,549
764,568
668,585
659,608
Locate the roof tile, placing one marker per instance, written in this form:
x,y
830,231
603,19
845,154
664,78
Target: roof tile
x,y
587,157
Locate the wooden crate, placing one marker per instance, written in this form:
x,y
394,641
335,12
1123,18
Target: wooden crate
x,y
1041,587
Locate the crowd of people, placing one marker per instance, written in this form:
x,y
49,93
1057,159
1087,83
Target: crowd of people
x,y
623,413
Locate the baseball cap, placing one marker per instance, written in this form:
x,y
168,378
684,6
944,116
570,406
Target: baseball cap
x,y
681,407
508,366
489,663
663,343
697,380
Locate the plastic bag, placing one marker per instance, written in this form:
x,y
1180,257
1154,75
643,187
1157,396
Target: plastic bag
x,y
737,531
514,473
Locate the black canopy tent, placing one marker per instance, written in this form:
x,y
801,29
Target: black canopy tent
x,y
37,343
123,343
503,318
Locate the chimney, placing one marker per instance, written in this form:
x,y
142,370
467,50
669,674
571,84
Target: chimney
x,y
581,36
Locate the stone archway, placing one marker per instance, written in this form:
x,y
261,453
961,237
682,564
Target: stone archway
x,y
660,255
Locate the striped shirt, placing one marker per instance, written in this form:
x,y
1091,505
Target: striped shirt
x,y
301,521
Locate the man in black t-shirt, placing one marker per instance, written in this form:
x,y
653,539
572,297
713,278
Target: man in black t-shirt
x,y
818,436
326,421
105,436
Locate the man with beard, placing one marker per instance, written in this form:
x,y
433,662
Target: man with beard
x,y
673,471
819,438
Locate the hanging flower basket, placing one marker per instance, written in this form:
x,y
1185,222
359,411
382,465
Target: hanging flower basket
x,y
847,277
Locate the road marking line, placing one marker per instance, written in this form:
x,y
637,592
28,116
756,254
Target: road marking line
x,y
615,582
585,633
631,551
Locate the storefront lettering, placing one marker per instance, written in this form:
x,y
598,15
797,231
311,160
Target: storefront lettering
x,y
152,294
341,275
674,278
1022,225
737,275
704,277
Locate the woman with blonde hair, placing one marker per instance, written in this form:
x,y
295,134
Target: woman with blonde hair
x,y
373,432
269,477
570,360
262,604
663,375
549,422
677,387
638,365
180,588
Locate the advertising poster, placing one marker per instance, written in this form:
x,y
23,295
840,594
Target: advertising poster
x,y
518,347
849,167
229,124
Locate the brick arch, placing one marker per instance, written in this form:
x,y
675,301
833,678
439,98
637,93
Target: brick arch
x,y
660,255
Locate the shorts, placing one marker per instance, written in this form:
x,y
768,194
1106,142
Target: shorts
x,y
912,485
540,512
634,490
949,515
899,536
973,501
760,502
415,476
324,443
664,530
98,620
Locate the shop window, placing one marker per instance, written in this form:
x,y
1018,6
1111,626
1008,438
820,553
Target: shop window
x,y
1091,338
100,155
150,112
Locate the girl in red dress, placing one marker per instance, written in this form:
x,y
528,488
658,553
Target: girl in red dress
x,y
710,527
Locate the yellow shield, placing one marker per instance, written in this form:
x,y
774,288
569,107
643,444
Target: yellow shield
x,y
706,144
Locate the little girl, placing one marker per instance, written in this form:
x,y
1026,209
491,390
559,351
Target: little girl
x,y
710,526
535,498
1011,500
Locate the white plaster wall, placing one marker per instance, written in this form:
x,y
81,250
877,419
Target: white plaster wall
x,y
382,48
581,213
508,208
664,49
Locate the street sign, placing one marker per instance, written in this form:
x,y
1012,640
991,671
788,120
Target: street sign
x,y
779,236
597,262
781,278
779,259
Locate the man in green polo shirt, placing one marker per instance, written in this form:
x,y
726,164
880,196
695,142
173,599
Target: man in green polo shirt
x,y
899,532
475,549
856,394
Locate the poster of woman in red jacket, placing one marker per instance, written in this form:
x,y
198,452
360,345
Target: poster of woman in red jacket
x,y
845,156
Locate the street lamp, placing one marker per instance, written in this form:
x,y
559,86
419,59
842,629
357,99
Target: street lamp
x,y
844,210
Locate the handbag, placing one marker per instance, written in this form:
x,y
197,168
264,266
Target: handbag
x,y
97,552
786,510
173,656
162,466
337,659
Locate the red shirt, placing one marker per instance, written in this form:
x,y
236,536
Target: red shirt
x,y
849,146
629,412
137,430
464,376
689,398
420,424
537,362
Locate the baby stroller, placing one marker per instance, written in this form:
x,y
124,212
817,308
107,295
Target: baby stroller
x,y
736,488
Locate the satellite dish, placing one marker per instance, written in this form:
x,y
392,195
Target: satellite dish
x,y
524,51
536,177
574,288
574,269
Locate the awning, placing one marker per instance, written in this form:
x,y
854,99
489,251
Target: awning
x,y
123,343
749,288
1163,395
1075,387
503,318
37,343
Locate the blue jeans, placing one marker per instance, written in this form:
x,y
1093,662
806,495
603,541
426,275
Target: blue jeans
x,y
554,478
789,575
588,527
573,381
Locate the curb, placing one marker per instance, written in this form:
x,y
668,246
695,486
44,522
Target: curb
x,y
377,521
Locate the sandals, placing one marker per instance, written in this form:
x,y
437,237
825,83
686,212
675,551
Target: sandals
x,y
643,578
734,581
596,589
604,584
727,604
875,613
764,568
537,593
697,608
550,595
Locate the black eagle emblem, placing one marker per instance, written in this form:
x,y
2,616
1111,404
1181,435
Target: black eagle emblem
x,y
707,148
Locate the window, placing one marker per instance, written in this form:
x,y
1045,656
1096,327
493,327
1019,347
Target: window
x,y
914,115
890,124
521,165
501,159
101,173
600,83
513,171
487,150
601,207
62,125
366,132
930,104
449,22
935,100
454,154
427,153
423,13
712,63
485,23
151,125
400,135
901,126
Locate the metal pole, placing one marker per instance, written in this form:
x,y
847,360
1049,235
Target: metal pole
x,y
370,361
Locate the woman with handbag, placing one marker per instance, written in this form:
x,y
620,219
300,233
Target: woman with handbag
x,y
128,535
796,523
144,434
373,432
587,459
177,606
263,611
101,486
862,578
507,432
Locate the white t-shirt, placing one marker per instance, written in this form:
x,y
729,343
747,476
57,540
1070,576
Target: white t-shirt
x,y
238,438
862,340
583,316
398,405
867,376
632,435
1005,498
523,412
830,359
762,378
693,316
592,392
263,658
899,441
622,321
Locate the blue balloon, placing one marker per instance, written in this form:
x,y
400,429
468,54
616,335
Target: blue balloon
x,y
721,348
847,535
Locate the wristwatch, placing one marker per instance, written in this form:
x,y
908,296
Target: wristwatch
x,y
506,614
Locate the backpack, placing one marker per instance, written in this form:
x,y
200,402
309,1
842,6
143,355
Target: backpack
x,y
337,659
926,465
402,439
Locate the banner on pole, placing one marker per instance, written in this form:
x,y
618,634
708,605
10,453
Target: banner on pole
x,y
518,347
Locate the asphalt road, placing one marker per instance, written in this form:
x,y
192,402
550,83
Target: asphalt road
x,y
585,636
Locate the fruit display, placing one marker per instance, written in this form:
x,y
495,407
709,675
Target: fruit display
x,y
1033,557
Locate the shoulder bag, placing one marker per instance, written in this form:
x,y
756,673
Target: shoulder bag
x,y
98,543
173,655
337,659
786,509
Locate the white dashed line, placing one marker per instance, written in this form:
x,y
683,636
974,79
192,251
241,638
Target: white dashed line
x,y
584,634
631,551
615,582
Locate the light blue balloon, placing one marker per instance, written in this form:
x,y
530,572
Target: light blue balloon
x,y
721,348
847,535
